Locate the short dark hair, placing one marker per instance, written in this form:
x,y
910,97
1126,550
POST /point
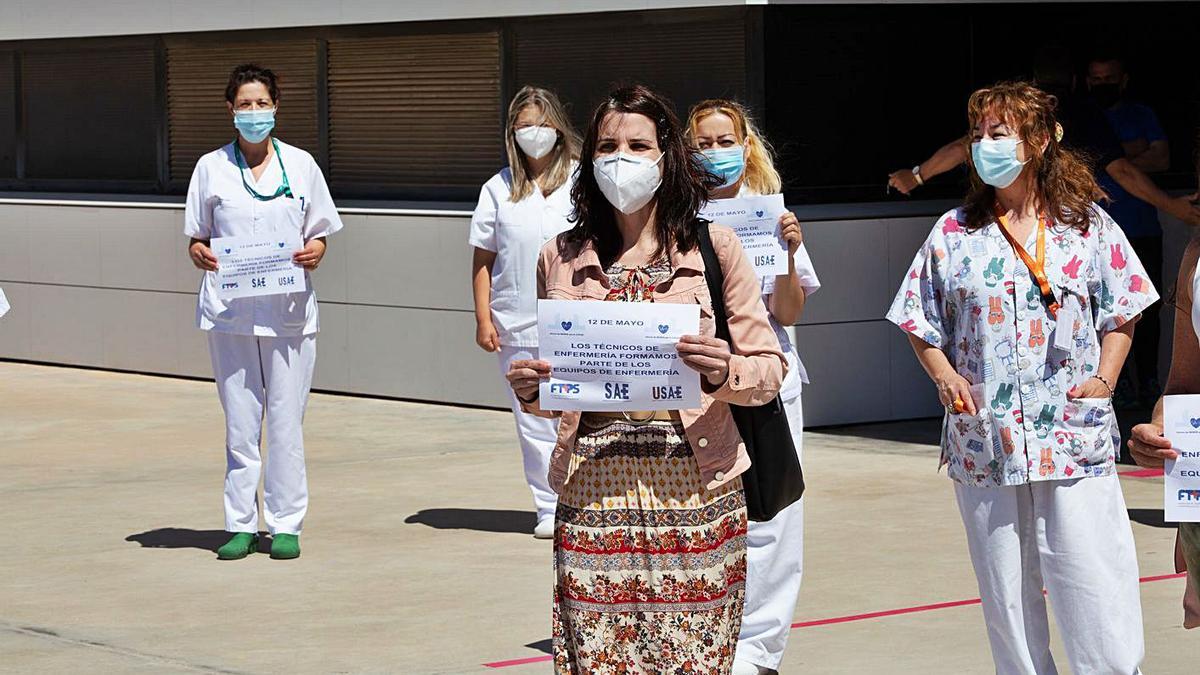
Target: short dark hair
x,y
683,192
251,72
1107,56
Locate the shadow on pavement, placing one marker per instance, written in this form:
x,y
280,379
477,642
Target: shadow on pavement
x,y
543,646
481,520
1150,518
178,537
925,431
928,431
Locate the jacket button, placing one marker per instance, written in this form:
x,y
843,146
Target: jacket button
x,y
719,476
703,442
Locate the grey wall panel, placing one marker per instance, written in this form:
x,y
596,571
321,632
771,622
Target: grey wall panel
x,y
333,349
848,366
904,238
409,261
192,351
112,287
910,391
14,242
16,333
140,330
332,278
140,249
66,325
420,354
64,246
851,259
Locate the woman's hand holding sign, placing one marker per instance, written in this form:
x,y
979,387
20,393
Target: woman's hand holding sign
x,y
708,356
525,376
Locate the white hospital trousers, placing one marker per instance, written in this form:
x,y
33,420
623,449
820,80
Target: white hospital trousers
x,y
257,375
537,436
774,563
1073,536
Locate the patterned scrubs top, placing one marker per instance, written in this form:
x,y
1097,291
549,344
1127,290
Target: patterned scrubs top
x,y
968,294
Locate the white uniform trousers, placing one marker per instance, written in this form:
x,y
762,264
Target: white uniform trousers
x,y
257,375
1074,537
774,564
537,436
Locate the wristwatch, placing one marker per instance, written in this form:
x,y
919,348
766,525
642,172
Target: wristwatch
x,y
916,170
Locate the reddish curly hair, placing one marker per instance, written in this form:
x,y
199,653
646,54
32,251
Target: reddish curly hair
x,y
1064,187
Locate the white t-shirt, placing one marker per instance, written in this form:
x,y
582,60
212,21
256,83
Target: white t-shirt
x,y
218,205
797,376
515,232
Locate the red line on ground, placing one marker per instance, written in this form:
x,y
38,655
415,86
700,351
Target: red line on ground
x,y
518,662
1143,473
887,612
840,619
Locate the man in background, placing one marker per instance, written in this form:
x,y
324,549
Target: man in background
x,y
1086,129
1144,144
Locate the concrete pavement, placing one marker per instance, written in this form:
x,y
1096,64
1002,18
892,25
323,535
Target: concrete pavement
x,y
417,556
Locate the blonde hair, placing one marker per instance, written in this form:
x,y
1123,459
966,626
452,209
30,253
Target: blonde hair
x,y
760,174
566,149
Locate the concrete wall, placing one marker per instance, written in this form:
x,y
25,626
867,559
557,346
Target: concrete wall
x,y
111,287
35,19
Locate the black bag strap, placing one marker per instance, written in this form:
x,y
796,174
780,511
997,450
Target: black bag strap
x,y
714,276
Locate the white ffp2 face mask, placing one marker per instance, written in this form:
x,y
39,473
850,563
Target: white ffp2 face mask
x,y
536,142
628,181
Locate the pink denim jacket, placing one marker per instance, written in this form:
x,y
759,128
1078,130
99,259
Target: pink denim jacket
x,y
755,372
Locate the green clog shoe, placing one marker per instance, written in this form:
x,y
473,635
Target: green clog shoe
x,y
241,545
285,546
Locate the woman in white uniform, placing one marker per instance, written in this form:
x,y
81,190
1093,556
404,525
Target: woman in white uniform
x,y
263,348
735,152
522,207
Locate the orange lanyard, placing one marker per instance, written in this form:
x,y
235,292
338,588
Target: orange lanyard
x,y
1036,267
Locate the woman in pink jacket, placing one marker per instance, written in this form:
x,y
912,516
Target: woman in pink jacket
x,y
650,552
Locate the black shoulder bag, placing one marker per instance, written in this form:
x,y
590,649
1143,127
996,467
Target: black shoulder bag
x,y
774,480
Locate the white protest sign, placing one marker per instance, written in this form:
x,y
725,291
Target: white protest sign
x,y
1181,483
756,222
614,356
258,265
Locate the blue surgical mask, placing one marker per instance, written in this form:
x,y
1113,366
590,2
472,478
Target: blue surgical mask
x,y
725,163
996,161
254,125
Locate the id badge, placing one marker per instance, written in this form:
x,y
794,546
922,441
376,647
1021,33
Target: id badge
x,y
1064,327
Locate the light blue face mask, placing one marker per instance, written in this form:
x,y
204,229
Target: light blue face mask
x,y
725,163
254,125
996,161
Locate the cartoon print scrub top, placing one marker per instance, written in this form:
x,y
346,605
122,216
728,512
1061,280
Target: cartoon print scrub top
x,y
969,294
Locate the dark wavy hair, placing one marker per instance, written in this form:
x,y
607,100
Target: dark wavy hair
x,y
1063,182
250,72
684,190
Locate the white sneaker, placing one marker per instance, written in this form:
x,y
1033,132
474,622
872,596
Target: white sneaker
x,y
544,529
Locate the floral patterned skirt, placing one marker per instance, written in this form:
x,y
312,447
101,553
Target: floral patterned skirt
x,y
650,567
